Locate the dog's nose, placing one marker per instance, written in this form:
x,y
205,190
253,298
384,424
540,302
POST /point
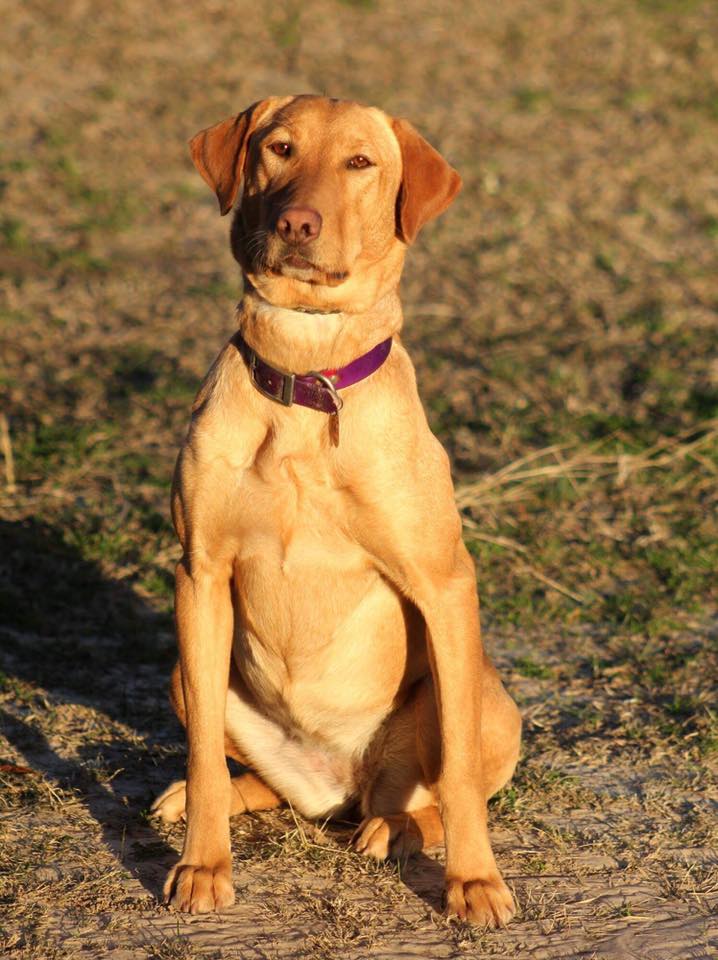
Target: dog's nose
x,y
299,224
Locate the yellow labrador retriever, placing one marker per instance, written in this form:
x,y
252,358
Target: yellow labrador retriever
x,y
326,607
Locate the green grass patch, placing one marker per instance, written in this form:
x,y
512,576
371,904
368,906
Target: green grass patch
x,y
532,99
532,668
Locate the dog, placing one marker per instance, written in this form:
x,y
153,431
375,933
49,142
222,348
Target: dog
x,y
326,607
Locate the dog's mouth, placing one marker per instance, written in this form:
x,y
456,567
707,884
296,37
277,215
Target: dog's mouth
x,y
295,260
296,267
263,253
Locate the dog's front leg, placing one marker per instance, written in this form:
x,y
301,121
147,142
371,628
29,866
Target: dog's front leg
x,y
413,530
202,880
475,889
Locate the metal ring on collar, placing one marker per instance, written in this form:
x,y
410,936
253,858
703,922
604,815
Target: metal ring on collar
x,y
325,381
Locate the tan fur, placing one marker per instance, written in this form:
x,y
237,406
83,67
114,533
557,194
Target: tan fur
x,y
326,606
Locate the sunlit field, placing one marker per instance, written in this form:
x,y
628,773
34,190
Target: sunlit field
x,y
562,317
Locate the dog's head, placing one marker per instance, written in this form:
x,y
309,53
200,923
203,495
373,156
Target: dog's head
x,y
331,194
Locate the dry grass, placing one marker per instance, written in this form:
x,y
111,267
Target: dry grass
x,y
517,479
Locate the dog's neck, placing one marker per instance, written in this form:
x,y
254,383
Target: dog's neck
x,y
298,340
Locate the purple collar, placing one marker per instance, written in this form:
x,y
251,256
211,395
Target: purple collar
x,y
316,389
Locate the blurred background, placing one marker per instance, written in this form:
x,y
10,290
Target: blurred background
x,y
564,310
561,316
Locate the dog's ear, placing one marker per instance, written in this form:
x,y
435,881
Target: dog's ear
x,y
219,152
428,183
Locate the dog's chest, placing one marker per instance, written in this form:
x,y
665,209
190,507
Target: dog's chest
x,y
293,524
313,615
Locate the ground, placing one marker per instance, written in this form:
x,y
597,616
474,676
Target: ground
x,y
562,318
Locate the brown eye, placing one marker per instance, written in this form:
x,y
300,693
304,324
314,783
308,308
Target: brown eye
x,y
281,148
359,162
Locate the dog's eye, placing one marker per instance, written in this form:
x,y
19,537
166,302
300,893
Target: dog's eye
x,y
281,148
359,162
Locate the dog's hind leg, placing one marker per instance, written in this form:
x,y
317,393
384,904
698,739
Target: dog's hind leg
x,y
399,805
249,792
398,835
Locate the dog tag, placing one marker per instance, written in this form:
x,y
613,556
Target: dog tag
x,y
334,428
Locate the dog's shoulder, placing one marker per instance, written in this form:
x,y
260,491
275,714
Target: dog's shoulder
x,y
223,381
225,428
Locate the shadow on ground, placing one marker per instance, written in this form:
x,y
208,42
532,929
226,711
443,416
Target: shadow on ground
x,y
106,661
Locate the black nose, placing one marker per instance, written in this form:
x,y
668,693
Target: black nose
x,y
299,224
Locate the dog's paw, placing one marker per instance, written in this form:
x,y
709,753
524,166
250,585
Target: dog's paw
x,y
395,836
170,805
193,888
487,903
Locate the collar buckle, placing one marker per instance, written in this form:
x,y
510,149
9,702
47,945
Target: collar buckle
x,y
286,395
